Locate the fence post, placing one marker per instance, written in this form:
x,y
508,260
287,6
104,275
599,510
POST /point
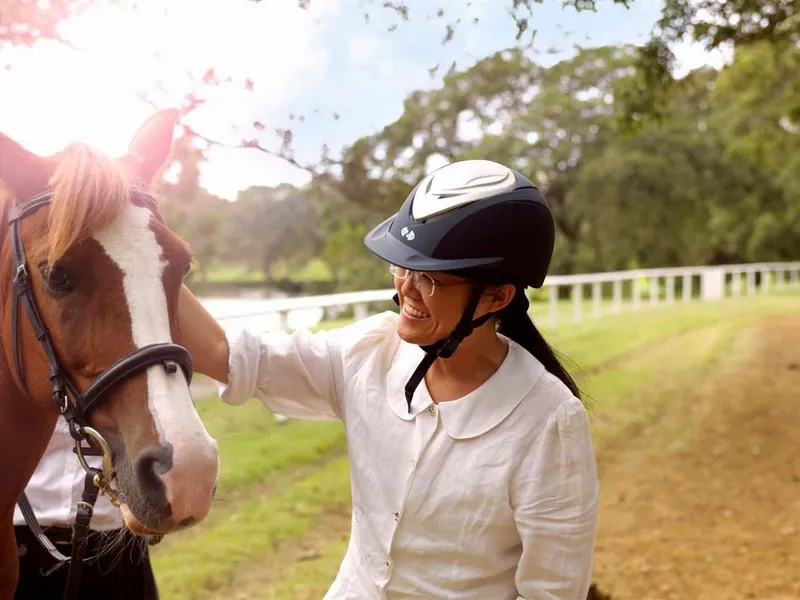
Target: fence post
x,y
577,302
617,299
712,283
686,291
596,299
360,311
736,283
283,321
764,280
670,283
793,275
751,282
637,293
654,291
552,301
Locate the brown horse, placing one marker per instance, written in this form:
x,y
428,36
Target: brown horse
x,y
103,272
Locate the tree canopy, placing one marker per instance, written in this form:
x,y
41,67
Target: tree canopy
x,y
715,178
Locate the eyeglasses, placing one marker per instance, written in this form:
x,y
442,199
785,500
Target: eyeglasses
x,y
422,281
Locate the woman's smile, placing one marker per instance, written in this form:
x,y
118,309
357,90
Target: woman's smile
x,y
414,313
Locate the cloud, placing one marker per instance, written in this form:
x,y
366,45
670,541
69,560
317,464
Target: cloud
x,y
363,49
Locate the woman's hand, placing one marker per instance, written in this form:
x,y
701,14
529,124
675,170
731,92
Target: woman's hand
x,y
202,336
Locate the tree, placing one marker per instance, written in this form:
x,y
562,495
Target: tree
x,y
734,24
507,108
757,111
267,225
715,181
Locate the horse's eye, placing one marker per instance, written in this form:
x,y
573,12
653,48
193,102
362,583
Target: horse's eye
x,y
57,279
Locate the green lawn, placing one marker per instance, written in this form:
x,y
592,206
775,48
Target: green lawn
x,y
280,525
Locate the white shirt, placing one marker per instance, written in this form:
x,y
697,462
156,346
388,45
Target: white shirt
x,y
493,496
56,487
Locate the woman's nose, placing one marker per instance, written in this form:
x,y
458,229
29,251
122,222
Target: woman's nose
x,y
408,288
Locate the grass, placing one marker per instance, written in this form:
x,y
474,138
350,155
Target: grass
x,y
280,528
237,273
273,521
314,270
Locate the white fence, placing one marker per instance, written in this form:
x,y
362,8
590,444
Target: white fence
x,y
653,286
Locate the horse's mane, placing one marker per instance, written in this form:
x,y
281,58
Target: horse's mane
x,y
89,192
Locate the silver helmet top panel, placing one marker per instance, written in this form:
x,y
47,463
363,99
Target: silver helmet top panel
x,y
458,184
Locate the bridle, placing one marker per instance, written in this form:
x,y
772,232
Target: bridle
x,y
76,413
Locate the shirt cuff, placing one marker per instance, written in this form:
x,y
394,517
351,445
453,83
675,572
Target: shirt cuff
x,y
244,357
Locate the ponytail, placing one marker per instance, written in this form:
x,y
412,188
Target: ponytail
x,y
516,324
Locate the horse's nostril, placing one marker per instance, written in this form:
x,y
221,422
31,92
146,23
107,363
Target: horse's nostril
x,y
187,522
150,465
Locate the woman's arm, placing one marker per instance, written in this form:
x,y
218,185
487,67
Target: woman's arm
x,y
301,375
203,337
296,375
555,506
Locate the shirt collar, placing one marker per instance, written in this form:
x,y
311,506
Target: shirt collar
x,y
477,412
406,360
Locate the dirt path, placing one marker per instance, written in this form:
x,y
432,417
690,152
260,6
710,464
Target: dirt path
x,y
706,504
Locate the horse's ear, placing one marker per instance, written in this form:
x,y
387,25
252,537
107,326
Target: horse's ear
x,y
152,144
24,172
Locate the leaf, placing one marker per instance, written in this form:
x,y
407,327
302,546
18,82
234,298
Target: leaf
x,y
448,34
399,7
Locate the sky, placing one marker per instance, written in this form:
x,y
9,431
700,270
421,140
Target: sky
x,y
323,61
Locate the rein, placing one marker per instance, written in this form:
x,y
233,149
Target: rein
x,y
97,481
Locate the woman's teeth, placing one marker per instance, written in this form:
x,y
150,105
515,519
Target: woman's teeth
x,y
414,312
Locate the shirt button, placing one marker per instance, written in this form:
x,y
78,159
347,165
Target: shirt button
x,y
432,410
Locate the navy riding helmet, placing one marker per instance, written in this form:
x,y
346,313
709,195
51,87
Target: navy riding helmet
x,y
475,218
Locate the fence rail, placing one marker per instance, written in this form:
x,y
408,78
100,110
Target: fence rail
x,y
655,286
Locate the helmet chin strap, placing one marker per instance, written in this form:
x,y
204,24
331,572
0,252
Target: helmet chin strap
x,y
446,348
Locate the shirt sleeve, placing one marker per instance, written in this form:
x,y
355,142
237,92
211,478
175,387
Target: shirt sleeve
x,y
301,375
555,508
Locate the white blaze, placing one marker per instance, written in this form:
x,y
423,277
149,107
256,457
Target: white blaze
x,y
133,247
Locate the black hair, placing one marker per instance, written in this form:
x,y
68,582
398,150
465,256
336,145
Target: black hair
x,y
516,324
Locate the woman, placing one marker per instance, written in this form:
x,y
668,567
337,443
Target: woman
x,y
473,473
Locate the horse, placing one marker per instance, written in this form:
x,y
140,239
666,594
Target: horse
x,y
89,281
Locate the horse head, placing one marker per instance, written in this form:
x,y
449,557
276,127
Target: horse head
x,y
104,273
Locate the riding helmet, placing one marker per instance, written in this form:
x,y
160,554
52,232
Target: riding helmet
x,y
472,215
475,218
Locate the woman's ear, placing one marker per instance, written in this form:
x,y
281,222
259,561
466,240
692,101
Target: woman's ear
x,y
496,298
